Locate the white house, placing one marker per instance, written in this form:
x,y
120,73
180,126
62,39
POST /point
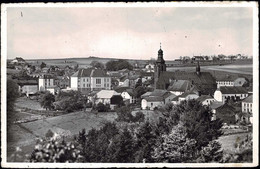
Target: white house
x,y
247,106
124,81
156,98
230,92
90,79
128,94
188,96
46,81
28,87
206,99
151,103
104,96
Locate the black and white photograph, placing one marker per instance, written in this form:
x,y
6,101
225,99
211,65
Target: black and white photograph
x,y
159,84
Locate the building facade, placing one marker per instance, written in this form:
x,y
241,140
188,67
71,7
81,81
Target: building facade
x,y
90,80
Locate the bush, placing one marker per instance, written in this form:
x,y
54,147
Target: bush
x,y
102,108
49,134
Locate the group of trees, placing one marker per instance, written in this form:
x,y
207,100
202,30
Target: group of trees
x,y
65,101
125,114
115,65
185,133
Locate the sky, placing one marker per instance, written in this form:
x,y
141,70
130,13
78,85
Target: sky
x,y
130,33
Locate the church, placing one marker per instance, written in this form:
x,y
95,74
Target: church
x,y
204,82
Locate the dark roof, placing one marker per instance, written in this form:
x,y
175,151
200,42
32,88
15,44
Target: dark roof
x,y
185,94
121,89
47,76
90,72
130,92
154,98
233,90
180,85
26,82
204,97
225,107
215,105
249,99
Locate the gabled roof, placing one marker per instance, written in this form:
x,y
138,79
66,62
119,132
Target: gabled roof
x,y
90,72
204,97
106,94
249,99
130,92
215,105
233,90
27,82
146,94
185,94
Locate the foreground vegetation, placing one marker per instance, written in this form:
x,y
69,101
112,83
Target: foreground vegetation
x,y
185,133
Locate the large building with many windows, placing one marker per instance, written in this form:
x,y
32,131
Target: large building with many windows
x,y
90,79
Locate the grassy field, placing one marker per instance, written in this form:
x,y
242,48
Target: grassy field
x,y
228,141
23,102
25,135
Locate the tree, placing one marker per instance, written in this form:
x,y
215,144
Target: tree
x,y
138,83
101,107
115,65
121,149
175,147
211,153
124,114
12,94
146,140
43,65
47,101
97,64
196,118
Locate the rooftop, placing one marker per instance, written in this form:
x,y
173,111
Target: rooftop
x,y
249,99
233,90
106,94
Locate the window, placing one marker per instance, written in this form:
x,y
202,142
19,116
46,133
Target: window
x,y
98,81
83,80
83,85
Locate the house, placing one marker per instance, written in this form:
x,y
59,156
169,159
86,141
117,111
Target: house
x,y
18,60
28,87
232,80
235,93
156,98
241,81
46,81
188,96
198,58
150,103
124,81
247,108
206,100
104,96
90,79
110,97
226,113
128,94
149,67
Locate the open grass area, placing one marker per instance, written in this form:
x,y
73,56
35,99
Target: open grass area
x,y
24,102
228,141
25,135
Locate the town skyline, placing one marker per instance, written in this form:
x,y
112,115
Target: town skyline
x,y
128,33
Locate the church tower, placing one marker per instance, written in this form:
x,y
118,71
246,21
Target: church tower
x,y
159,67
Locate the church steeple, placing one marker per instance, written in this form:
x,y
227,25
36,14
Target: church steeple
x,y
160,65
